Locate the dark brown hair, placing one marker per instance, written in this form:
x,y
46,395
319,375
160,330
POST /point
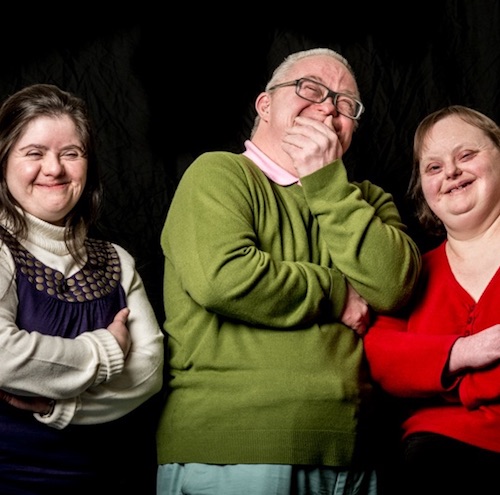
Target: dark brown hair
x,y
16,112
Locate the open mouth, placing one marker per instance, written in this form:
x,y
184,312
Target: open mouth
x,y
459,187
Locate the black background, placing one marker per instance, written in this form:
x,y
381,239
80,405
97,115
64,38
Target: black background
x,y
164,87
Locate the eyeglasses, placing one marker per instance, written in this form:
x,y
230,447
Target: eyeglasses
x,y
315,92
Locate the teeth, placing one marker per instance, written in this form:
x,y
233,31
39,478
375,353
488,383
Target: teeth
x,y
457,188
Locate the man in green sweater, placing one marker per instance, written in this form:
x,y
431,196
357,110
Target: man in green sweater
x,y
273,262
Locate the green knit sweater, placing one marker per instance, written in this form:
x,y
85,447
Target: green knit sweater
x,y
261,369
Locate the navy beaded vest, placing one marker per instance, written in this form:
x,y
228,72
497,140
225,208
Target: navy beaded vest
x,y
49,303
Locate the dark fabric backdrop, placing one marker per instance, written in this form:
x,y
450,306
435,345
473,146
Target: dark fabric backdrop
x,y
163,88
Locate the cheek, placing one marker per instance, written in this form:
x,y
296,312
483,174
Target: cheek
x,y
82,175
24,173
300,107
279,123
434,201
429,189
347,130
14,180
346,142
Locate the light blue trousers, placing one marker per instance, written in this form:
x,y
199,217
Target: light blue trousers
x,y
262,479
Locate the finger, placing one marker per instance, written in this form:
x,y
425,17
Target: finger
x,y
122,315
329,123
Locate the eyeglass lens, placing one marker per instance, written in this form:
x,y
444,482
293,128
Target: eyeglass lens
x,y
318,93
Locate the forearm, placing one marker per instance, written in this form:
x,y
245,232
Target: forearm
x,y
365,235
224,248
404,363
63,367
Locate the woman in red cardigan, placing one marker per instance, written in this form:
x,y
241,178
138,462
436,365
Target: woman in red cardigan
x,y
443,355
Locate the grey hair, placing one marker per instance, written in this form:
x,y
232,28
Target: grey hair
x,y
281,71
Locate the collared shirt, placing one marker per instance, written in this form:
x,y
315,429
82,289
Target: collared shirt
x,y
271,169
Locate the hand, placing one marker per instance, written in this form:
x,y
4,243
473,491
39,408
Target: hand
x,y
356,314
41,405
312,144
119,330
475,351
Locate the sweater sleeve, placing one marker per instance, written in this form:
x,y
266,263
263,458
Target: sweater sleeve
x,y
365,235
233,247
44,365
407,364
480,387
142,373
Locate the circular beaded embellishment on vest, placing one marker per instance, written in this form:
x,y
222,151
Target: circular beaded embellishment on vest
x,y
99,276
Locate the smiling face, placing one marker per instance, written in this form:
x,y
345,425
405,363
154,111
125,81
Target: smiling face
x,y
279,108
47,168
328,71
460,175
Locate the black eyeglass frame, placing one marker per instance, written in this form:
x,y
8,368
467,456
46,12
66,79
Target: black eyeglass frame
x,y
329,93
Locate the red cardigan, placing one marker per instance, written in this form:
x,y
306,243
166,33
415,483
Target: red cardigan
x,y
407,357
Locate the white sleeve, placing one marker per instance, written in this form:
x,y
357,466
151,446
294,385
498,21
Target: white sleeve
x,y
143,370
45,365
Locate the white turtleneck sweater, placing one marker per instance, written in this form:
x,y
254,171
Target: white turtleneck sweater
x,y
87,376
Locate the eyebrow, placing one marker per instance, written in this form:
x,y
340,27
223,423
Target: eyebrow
x,y
34,145
43,147
320,80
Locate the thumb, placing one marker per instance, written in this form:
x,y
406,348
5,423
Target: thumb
x,y
122,315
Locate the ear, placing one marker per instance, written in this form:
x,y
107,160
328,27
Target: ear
x,y
262,105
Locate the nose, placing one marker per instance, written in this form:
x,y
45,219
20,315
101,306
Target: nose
x,y
52,164
329,105
451,169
